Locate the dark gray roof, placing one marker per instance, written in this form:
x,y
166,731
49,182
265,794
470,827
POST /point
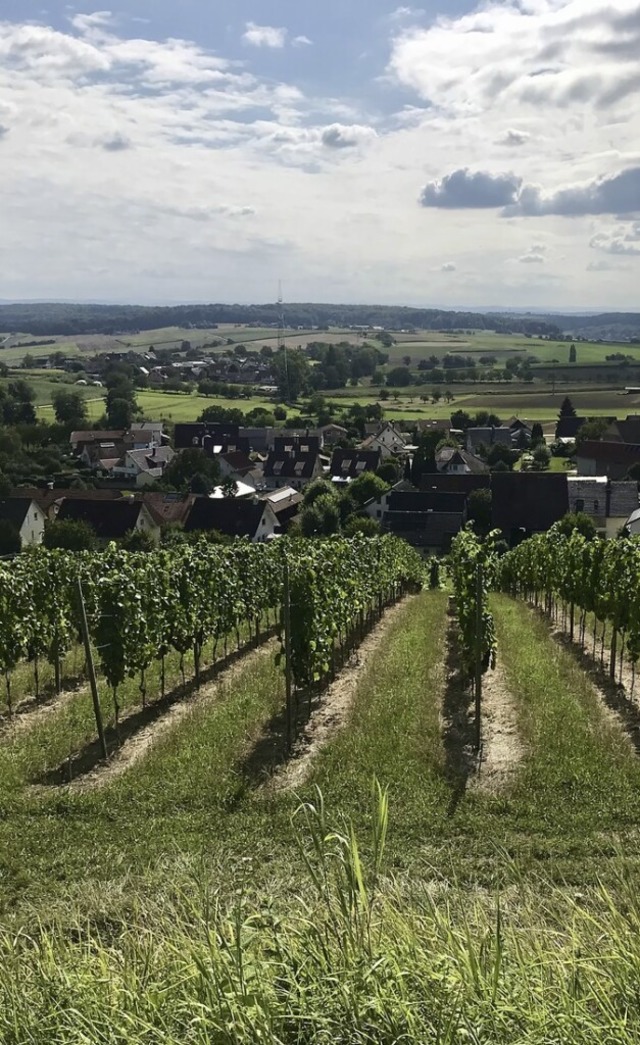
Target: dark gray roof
x,y
425,501
352,463
290,466
111,520
529,501
232,516
14,510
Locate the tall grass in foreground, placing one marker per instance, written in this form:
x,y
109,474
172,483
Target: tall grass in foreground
x,y
349,960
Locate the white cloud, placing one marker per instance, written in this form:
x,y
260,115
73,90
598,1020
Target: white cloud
x,y
514,138
302,41
264,36
556,52
449,266
533,258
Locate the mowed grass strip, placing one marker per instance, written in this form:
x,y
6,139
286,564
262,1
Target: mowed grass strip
x,y
581,775
395,731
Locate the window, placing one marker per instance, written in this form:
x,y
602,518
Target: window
x,y
596,506
379,513
580,504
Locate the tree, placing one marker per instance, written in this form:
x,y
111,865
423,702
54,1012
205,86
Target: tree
x,y
572,354
120,413
460,419
292,373
71,535
138,541
189,464
389,471
499,452
479,510
362,525
10,541
406,360
367,487
541,458
537,434
399,377
318,488
70,409
229,487
593,428
280,413
322,518
567,410
436,395
573,521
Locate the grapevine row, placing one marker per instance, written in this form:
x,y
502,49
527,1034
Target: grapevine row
x,y
142,606
599,577
473,565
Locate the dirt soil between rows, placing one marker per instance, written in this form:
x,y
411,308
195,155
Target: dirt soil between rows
x,y
333,707
502,749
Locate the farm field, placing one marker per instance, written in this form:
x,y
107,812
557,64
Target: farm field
x,y
188,862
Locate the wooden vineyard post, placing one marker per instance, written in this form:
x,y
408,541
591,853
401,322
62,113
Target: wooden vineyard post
x,y
287,655
478,653
92,671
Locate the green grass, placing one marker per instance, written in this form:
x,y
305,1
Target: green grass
x,y
183,904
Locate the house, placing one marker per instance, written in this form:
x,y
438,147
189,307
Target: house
x,y
235,464
286,504
589,495
459,462
210,436
622,501
240,490
387,440
430,531
289,468
347,464
49,498
300,444
103,457
80,439
456,482
111,520
567,428
523,503
143,466
433,426
167,509
489,436
332,434
232,517
613,459
627,431
26,517
633,523
147,433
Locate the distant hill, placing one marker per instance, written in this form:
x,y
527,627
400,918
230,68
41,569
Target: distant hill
x,y
61,318
609,326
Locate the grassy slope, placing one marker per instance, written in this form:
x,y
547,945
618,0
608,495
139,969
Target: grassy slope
x,y
228,938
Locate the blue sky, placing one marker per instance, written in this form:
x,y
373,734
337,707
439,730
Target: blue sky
x,y
443,154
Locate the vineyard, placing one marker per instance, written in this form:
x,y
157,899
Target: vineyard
x,y
457,862
137,610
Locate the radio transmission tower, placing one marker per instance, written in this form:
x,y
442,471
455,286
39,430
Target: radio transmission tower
x,y
282,343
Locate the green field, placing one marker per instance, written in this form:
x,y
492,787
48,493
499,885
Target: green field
x,y
186,902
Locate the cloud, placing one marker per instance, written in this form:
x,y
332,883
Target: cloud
x,y
339,136
87,23
264,36
466,189
116,143
514,138
302,41
449,266
605,266
617,242
612,194
526,53
532,258
3,131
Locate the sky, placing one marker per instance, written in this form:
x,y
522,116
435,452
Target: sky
x,y
447,155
